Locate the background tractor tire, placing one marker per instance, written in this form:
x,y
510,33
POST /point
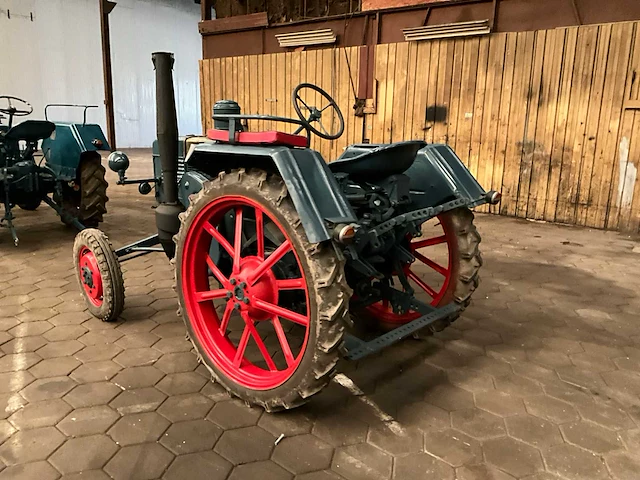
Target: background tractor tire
x,y
31,205
93,191
99,275
322,268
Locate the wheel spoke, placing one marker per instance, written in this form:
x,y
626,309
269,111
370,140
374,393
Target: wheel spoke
x,y
303,102
226,316
261,346
213,231
260,232
322,127
270,261
242,346
284,343
237,241
281,312
421,283
429,242
324,108
210,295
290,284
427,261
224,281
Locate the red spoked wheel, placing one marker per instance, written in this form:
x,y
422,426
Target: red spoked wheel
x,y
254,295
447,260
98,274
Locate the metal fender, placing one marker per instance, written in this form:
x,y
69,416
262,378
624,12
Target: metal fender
x,y
311,185
63,150
438,176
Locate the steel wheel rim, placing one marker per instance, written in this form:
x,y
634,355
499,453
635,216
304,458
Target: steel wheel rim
x,y
88,266
384,312
263,292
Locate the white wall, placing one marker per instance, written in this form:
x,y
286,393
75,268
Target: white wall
x,y
56,58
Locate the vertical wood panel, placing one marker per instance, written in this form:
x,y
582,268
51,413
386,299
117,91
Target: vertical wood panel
x,y
539,116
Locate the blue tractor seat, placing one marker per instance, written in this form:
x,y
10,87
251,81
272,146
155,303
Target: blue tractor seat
x,y
30,131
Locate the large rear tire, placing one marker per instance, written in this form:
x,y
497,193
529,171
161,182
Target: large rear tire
x,y
287,297
460,272
99,275
89,203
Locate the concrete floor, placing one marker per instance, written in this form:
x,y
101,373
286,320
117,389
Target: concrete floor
x,y
540,378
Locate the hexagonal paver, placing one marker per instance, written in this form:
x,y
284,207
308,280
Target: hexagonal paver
x,y
177,362
15,381
606,416
453,447
48,388
203,466
191,436
303,453
339,430
87,475
574,463
500,403
181,383
244,445
91,394
30,471
534,431
234,414
146,461
6,430
54,367
88,421
175,329
60,349
10,403
23,345
40,414
64,332
448,397
173,345
18,361
86,453
30,445
421,465
137,377
591,436
265,470
97,353
362,461
487,472
138,428
95,371
137,357
517,386
513,457
99,337
287,423
424,416
138,400
623,381
477,423
136,340
390,440
30,328
185,407
624,466
551,409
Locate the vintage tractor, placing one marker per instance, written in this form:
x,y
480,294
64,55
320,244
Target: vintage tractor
x,y
72,171
284,263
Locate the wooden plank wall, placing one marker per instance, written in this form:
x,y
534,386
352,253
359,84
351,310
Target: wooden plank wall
x,y
264,83
549,118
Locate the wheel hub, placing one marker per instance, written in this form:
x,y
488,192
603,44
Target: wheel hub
x,y
87,277
264,289
91,279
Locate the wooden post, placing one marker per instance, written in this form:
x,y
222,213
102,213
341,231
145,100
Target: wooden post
x,y
205,10
105,9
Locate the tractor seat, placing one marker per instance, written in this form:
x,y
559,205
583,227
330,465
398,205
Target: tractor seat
x,y
31,131
376,162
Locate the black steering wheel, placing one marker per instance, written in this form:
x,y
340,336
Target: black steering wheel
x,y
12,110
315,114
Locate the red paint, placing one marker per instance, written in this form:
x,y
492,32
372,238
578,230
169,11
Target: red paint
x,y
260,138
252,278
88,260
419,248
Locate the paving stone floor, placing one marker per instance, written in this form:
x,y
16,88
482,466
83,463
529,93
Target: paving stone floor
x,y
540,378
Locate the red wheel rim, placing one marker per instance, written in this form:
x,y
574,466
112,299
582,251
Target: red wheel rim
x,y
434,291
90,276
251,294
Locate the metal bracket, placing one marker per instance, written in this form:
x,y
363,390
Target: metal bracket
x,y
139,248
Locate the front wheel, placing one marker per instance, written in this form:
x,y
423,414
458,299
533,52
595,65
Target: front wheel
x,y
99,275
264,308
31,204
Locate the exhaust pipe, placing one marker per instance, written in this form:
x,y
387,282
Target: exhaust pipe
x,y
167,212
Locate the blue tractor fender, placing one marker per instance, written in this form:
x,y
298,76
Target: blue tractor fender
x,y
65,148
311,185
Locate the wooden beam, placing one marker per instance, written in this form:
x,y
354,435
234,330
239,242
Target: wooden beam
x,y
233,24
105,8
632,105
205,9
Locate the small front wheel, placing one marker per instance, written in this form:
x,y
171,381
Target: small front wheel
x,y
99,275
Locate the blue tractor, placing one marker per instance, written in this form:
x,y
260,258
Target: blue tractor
x,y
67,174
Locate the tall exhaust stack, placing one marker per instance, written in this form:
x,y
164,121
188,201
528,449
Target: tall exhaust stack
x,y
167,212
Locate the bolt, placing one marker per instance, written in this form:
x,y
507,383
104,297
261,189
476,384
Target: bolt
x,y
243,285
245,300
377,203
229,295
232,281
236,306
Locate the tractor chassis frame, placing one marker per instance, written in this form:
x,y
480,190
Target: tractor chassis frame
x,y
139,248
